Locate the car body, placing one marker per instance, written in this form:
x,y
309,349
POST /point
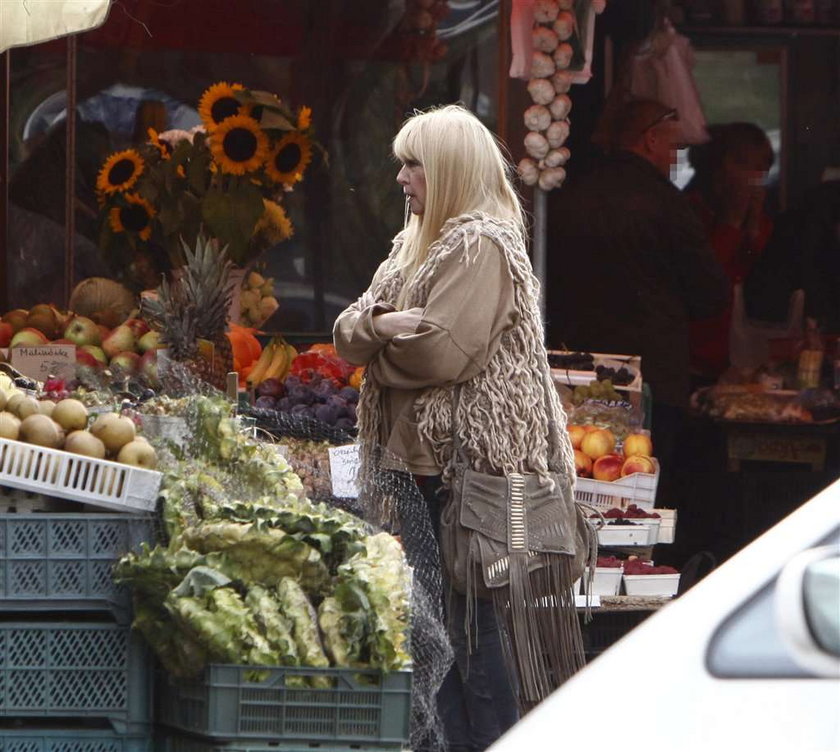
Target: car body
x,y
749,658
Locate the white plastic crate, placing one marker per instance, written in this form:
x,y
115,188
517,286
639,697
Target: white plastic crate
x,y
605,581
651,584
667,525
624,535
100,483
638,489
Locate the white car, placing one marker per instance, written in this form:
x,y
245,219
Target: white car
x,y
748,659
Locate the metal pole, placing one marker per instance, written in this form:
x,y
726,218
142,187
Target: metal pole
x,y
70,171
538,247
5,109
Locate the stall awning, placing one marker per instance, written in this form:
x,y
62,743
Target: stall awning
x,y
25,22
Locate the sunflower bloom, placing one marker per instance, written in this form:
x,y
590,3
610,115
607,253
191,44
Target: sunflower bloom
x,y
304,118
135,216
239,145
164,148
289,159
274,225
218,103
120,172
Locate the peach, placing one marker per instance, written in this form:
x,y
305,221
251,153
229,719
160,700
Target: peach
x,y
607,467
638,445
583,465
576,434
637,464
597,443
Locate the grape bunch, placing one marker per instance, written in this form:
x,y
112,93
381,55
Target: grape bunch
x,y
320,398
596,390
577,361
622,376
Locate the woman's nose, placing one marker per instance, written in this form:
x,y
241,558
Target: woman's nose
x,y
402,176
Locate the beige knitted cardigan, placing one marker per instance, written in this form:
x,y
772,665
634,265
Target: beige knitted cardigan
x,y
509,414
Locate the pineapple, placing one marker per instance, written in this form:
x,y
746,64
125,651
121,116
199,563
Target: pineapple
x,y
192,312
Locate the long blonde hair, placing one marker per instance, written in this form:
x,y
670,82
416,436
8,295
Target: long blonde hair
x,y
465,172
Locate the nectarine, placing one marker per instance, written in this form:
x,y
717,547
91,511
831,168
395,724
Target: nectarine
x,y
597,443
637,464
576,434
583,465
638,445
607,467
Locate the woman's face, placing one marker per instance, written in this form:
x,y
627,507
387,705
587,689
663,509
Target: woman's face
x,y
412,178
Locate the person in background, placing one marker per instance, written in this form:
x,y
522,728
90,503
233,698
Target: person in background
x,y
728,194
456,303
629,264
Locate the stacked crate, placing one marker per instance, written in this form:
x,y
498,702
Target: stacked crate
x,y
73,676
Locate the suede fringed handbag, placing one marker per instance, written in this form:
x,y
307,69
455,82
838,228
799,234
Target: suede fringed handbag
x,y
522,542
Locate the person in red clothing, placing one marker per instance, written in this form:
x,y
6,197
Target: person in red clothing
x,y
727,192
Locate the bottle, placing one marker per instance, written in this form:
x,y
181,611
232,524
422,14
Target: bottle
x,y
811,358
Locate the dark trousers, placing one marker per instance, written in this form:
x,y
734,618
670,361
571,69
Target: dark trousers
x,y
476,701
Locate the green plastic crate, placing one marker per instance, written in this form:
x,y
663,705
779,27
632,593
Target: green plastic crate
x,y
362,708
77,670
72,740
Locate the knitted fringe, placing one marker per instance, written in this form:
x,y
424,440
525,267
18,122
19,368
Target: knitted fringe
x,y
540,628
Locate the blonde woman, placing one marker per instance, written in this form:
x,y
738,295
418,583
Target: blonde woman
x,y
455,303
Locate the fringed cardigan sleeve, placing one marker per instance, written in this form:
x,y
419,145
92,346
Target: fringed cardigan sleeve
x,y
469,306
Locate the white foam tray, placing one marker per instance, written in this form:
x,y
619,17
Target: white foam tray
x,y
100,483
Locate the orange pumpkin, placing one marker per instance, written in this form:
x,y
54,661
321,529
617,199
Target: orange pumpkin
x,y
246,347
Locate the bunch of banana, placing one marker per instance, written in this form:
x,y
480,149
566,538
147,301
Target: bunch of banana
x,y
274,362
256,301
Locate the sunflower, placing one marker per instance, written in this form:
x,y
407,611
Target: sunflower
x,y
239,145
163,147
274,225
304,118
120,172
136,216
218,103
289,158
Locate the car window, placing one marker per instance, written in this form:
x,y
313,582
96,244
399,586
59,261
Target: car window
x,y
747,645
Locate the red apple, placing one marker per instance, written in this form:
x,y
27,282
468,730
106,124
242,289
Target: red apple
x,y
97,353
148,367
607,467
637,464
118,341
104,331
576,434
16,318
638,445
137,326
597,443
583,465
82,331
149,341
125,363
28,337
61,341
85,358
6,333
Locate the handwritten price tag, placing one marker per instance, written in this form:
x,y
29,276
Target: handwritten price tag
x,y
39,362
344,471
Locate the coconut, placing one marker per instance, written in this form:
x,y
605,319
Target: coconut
x,y
41,430
100,298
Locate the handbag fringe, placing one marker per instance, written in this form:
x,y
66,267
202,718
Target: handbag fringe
x,y
537,615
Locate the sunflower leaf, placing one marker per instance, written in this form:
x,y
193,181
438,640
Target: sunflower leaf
x,y
232,215
272,120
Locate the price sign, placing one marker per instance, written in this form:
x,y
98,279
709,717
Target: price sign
x,y
40,361
344,471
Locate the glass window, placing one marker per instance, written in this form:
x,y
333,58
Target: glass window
x,y
360,65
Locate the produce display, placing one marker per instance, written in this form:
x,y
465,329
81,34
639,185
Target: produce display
x,y
596,456
256,300
254,572
756,403
67,424
634,566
